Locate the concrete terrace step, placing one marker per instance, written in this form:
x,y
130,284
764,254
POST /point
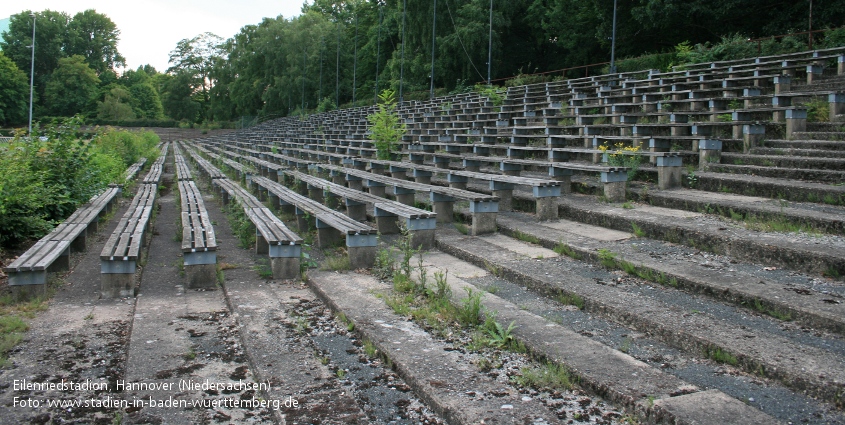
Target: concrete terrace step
x,y
800,152
448,382
784,161
809,300
814,370
598,367
808,144
832,176
797,254
819,135
828,219
770,187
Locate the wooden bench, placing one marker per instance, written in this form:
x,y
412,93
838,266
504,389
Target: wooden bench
x,y
122,252
183,171
483,208
544,191
273,238
388,214
283,246
199,244
134,169
209,170
52,252
360,238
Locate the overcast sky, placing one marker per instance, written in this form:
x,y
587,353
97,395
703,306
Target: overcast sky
x,y
150,29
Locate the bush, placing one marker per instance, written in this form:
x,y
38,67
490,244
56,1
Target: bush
x,y
661,61
833,38
326,105
43,180
137,123
386,127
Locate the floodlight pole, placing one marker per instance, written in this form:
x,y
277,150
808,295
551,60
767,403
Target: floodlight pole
x,y
613,43
320,92
490,45
31,74
433,41
337,69
355,63
402,66
810,32
378,47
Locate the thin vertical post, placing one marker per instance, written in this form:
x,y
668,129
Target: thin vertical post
x,y
811,25
402,65
32,75
490,45
433,41
613,42
320,91
355,63
378,47
337,70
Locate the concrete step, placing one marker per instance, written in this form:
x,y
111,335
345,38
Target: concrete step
x,y
833,127
822,218
808,144
813,302
800,152
769,187
819,135
830,176
804,254
454,387
805,368
597,367
784,161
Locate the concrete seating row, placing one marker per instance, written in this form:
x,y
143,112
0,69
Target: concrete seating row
x,y
360,239
134,169
273,237
123,251
28,273
388,214
199,243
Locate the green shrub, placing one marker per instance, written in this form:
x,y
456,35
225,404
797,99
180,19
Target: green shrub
x,y
386,128
42,181
818,110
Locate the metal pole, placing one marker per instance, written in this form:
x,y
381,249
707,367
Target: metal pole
x,y
490,44
433,40
31,74
355,63
320,92
402,65
304,58
613,42
378,47
811,24
337,70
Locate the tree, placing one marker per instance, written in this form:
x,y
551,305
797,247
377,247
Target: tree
x,y
178,101
116,106
72,88
145,101
386,129
14,92
94,36
197,56
49,43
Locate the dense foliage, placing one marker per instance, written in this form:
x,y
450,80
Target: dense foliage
x,y
339,53
44,180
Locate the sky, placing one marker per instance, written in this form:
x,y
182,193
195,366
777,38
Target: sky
x,y
150,29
